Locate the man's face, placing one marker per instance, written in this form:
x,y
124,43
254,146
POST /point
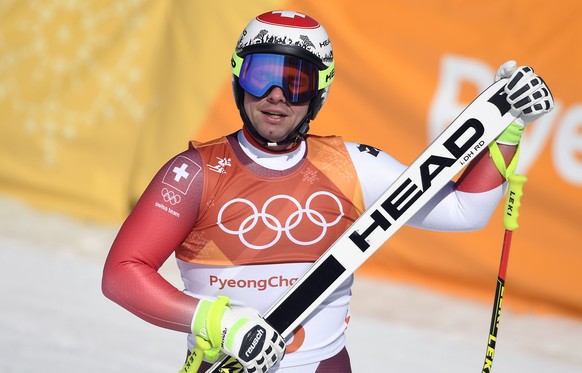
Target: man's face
x,y
273,116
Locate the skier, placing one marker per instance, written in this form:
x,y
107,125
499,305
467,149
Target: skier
x,y
248,213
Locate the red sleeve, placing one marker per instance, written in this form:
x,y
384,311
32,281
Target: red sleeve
x,y
481,174
157,225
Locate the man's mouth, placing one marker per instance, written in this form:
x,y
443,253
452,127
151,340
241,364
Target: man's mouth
x,y
273,114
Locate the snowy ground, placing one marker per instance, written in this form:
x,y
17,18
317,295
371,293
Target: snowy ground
x,y
53,317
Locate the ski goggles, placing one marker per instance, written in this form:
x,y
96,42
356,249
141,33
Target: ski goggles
x,y
300,80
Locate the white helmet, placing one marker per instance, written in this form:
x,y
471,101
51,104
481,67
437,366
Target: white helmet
x,y
299,46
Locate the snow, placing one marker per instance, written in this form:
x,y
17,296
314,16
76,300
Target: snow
x,y
53,317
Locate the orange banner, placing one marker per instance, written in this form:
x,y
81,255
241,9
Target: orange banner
x,y
404,70
96,95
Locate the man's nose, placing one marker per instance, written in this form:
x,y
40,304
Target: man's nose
x,y
276,95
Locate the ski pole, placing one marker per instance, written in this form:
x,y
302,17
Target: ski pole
x,y
193,361
510,216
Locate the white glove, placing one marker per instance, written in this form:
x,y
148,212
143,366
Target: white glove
x,y
240,333
528,95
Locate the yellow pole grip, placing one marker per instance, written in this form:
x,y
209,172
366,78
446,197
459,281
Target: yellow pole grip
x,y
513,201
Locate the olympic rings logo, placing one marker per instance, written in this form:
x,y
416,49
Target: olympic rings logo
x,y
273,223
170,196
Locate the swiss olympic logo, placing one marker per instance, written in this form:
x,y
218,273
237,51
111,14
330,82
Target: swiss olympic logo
x,y
273,223
170,196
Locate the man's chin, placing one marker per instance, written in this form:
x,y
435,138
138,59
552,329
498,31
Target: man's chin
x,y
275,138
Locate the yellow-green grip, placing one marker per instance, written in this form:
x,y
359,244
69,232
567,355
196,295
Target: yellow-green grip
x,y
512,201
194,360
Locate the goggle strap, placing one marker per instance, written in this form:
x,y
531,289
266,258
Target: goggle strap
x,y
325,76
236,63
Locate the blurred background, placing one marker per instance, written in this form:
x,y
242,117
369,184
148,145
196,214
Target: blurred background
x,y
95,96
